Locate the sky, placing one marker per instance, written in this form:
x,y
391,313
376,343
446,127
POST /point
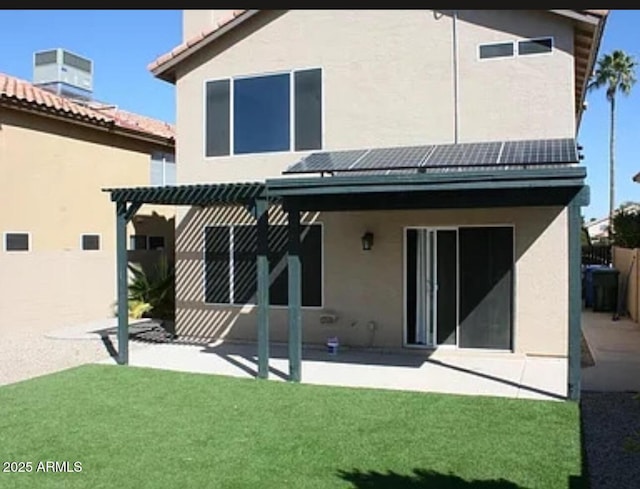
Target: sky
x,y
122,43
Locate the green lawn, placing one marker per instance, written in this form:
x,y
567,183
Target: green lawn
x,y
141,428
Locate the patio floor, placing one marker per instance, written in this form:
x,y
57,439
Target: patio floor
x,y
455,372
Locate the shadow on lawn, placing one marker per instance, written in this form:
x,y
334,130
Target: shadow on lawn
x,y
419,479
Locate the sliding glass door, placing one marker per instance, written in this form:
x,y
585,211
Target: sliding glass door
x,y
459,287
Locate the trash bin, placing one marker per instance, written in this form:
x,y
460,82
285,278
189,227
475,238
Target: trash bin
x,y
588,283
605,289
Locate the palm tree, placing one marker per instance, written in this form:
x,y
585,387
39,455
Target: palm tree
x,y
616,72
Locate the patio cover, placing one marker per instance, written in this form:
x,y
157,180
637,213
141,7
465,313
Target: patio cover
x,y
557,184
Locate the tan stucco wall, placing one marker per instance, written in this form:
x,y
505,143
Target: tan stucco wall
x,y
368,286
195,21
52,176
626,261
387,80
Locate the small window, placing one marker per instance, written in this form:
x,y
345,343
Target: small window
x,y
497,50
156,242
535,46
163,169
16,241
138,242
90,242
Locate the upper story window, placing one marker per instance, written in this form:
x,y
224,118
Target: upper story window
x,y
265,113
497,50
535,46
163,169
507,49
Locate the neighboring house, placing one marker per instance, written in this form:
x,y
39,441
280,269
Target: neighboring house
x,y
598,228
57,257
462,235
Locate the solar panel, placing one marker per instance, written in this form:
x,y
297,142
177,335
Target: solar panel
x,y
444,157
464,154
327,161
539,151
390,158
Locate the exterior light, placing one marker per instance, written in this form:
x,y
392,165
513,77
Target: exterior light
x,y
367,241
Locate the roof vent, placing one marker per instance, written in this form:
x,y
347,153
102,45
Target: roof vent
x,y
63,73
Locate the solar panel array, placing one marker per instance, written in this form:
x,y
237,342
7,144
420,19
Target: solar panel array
x,y
444,157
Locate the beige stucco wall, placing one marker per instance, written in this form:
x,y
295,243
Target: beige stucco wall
x,y
626,261
52,176
364,286
195,21
388,80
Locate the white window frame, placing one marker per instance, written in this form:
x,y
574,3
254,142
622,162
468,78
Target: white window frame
x,y
507,41
4,242
542,38
91,234
516,48
231,277
164,169
292,122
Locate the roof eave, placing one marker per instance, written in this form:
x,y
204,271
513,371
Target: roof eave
x,y
166,71
595,48
97,124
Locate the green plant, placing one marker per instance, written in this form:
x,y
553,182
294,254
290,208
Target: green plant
x,y
153,293
626,228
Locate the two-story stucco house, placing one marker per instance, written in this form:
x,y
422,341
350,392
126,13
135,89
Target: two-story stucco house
x,y
57,256
401,179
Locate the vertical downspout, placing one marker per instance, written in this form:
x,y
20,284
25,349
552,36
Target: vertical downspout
x,y
456,109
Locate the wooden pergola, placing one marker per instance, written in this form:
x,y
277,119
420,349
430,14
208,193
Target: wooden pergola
x,y
467,188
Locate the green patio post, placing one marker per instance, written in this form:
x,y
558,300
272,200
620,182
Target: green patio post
x,y
295,296
121,264
262,265
575,293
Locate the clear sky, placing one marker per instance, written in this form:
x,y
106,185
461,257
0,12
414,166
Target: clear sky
x,y
122,42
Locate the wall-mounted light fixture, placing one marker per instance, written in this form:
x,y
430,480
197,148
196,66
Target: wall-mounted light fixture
x,y
367,241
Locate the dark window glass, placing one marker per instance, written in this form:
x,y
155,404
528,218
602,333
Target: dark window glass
x,y
217,118
138,242
261,114
535,46
310,261
217,287
156,242
16,242
497,50
244,264
90,242
308,109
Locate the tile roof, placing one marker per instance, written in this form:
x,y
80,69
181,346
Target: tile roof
x,y
24,94
195,40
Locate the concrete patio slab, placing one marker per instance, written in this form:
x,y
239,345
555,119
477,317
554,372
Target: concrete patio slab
x,y
615,346
453,372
